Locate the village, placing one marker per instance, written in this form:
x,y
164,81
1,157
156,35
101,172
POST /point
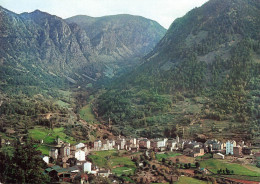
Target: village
x,y
68,163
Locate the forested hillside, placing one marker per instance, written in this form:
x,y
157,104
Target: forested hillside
x,y
201,78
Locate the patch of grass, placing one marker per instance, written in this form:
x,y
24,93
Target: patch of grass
x,y
185,180
87,114
206,156
126,161
214,165
48,136
62,103
112,158
159,157
44,149
99,161
100,158
123,170
125,178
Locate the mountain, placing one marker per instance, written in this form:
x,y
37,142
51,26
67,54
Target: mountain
x,y
124,38
39,49
201,78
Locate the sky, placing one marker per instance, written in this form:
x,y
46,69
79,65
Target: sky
x,y
162,11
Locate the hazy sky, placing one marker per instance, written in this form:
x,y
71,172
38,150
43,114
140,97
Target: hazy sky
x,y
163,11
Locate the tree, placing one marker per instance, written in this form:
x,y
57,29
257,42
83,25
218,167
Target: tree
x,y
185,166
25,166
197,164
258,164
189,165
163,160
227,171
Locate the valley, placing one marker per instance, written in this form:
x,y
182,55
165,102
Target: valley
x,y
91,81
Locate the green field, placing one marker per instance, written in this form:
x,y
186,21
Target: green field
x,y
44,149
112,159
48,136
159,157
123,170
188,180
214,165
87,114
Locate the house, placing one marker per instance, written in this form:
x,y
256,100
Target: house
x,y
104,173
105,144
237,151
218,156
120,144
80,155
229,147
80,146
46,159
145,143
54,153
65,150
213,145
111,144
180,145
246,151
81,178
159,143
53,172
197,152
187,151
87,167
97,145
217,146
172,145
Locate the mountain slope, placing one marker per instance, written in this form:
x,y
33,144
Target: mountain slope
x,y
121,35
43,50
120,39
202,77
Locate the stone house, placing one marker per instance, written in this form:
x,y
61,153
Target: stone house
x,y
237,151
145,143
54,153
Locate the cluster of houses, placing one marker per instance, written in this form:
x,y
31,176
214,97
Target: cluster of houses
x,y
71,161
188,147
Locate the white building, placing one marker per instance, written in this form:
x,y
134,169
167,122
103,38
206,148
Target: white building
x,y
230,147
80,155
87,167
97,145
80,145
46,159
218,156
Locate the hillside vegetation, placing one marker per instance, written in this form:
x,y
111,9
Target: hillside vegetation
x,y
205,69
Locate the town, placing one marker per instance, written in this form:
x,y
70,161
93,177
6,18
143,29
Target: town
x,y
69,163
